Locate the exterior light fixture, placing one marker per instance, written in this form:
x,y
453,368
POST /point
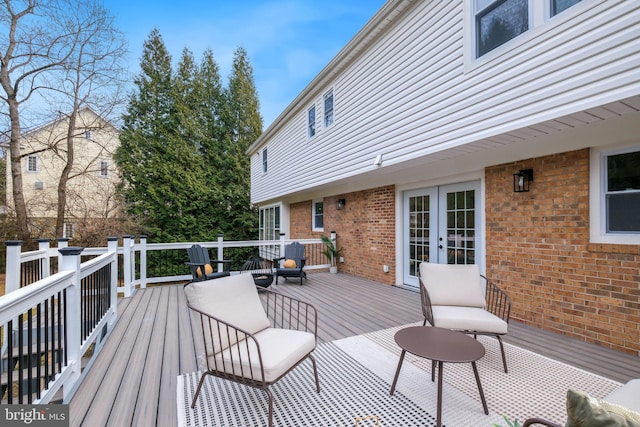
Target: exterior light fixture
x,y
340,204
522,180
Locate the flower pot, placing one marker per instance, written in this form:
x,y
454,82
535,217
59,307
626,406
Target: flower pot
x,y
333,269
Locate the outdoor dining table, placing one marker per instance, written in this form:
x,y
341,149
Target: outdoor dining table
x,y
440,345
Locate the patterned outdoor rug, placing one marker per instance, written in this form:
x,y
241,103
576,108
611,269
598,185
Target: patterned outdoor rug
x,y
355,376
348,390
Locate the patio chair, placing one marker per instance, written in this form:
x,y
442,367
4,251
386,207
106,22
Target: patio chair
x,y
452,297
202,267
249,337
292,263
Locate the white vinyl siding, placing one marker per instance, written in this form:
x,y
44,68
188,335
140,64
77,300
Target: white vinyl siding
x,y
413,93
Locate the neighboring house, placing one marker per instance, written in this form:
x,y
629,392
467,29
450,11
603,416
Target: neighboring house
x,y
418,126
91,188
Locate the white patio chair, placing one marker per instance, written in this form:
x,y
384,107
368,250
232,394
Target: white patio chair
x,y
246,341
452,298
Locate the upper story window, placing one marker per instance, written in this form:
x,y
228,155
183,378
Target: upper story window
x,y
496,22
615,195
499,21
104,168
558,6
311,121
32,163
88,134
328,109
69,230
264,160
318,215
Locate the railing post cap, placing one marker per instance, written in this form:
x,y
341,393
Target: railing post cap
x,y
13,242
62,239
71,250
127,236
112,238
143,236
43,240
220,234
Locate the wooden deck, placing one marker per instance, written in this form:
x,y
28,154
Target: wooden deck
x,y
132,382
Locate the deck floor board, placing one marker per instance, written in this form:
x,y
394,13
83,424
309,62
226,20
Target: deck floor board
x,y
133,379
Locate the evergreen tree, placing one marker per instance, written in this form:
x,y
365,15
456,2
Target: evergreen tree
x,y
160,166
243,126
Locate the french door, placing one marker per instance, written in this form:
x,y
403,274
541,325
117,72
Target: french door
x,y
440,225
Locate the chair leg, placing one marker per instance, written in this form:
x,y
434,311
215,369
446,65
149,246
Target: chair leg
x,y
270,397
315,372
195,396
504,358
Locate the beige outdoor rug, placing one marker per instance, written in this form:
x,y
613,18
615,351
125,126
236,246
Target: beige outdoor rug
x,y
355,377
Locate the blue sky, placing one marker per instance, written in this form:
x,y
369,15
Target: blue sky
x,y
288,41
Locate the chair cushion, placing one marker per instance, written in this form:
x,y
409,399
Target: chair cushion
x,y
290,263
280,349
586,411
628,395
207,270
468,319
457,285
233,299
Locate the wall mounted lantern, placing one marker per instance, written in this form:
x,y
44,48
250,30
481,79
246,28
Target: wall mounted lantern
x,y
522,180
340,204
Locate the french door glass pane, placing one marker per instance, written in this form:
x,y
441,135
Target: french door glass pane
x,y
418,232
461,227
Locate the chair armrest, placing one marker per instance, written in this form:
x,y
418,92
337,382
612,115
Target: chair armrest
x,y
289,313
498,302
425,301
532,421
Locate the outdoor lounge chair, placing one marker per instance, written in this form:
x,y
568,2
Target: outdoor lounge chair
x,y
452,297
202,267
292,263
250,338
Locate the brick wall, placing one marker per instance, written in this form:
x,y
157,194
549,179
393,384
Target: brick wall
x,y
538,250
365,229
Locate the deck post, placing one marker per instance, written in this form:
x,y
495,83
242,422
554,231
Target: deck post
x,y
71,262
143,261
220,251
112,246
12,278
127,243
45,263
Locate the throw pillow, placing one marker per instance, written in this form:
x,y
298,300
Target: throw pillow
x,y
586,411
290,263
207,270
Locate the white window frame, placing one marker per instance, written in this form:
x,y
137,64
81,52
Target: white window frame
x,y
325,116
36,161
314,216
103,172
597,198
312,128
69,230
264,158
274,222
539,14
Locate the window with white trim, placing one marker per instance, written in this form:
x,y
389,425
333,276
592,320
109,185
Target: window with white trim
x,y
104,169
328,108
264,160
32,163
615,195
496,22
311,121
269,224
69,229
558,6
317,219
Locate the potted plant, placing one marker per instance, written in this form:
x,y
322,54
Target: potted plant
x,y
332,252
